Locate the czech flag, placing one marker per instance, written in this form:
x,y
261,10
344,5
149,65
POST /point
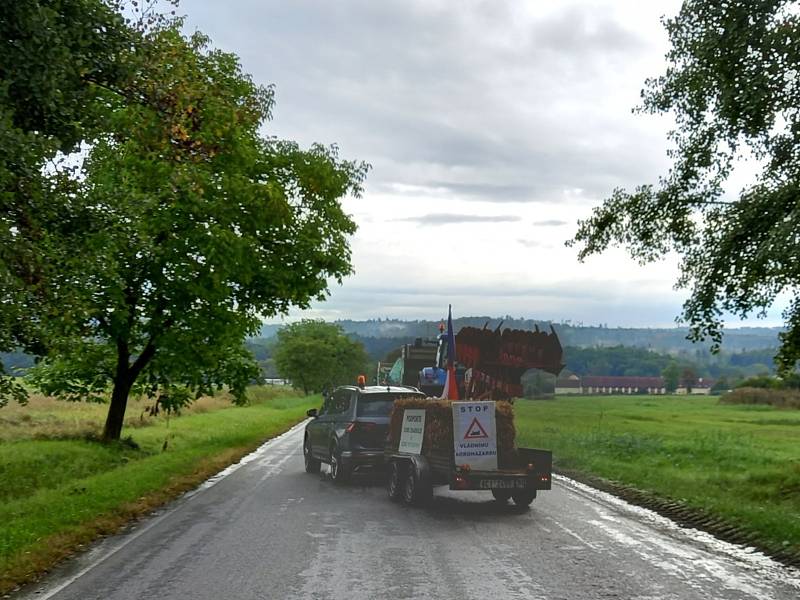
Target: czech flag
x,y
450,391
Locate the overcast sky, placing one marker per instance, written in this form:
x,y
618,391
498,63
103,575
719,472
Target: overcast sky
x,y
491,127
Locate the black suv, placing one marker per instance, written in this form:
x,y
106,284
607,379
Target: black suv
x,y
349,431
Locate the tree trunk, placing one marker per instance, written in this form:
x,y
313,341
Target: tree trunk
x,y
116,412
124,379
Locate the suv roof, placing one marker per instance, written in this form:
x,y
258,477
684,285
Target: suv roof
x,y
382,389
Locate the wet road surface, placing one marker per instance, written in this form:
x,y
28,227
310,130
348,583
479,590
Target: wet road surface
x,y
266,529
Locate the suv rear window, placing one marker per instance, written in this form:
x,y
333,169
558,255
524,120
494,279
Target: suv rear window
x,y
378,405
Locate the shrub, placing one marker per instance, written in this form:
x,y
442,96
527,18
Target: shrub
x,y
788,398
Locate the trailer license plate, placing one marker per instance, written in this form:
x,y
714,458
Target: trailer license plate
x,y
488,484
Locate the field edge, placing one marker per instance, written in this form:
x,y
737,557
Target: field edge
x,y
37,562
686,515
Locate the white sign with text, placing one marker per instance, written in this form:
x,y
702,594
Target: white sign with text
x,y
413,430
475,435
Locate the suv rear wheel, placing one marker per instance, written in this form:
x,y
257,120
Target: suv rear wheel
x,y
312,464
339,471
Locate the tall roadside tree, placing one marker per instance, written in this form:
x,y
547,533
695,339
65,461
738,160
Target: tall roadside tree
x,y
192,228
56,58
733,85
316,355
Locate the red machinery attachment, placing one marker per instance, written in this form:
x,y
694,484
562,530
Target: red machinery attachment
x,y
498,360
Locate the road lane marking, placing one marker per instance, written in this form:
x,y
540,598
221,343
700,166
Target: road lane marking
x,y
711,557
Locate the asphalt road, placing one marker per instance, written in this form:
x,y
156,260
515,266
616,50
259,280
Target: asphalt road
x,y
269,530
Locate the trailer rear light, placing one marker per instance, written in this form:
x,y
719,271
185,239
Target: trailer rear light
x,y
461,483
545,478
531,467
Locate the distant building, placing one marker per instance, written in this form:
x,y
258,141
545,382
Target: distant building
x,y
568,385
700,387
591,384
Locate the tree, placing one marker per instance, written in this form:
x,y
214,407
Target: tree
x,y
56,57
316,355
688,378
733,88
671,375
186,229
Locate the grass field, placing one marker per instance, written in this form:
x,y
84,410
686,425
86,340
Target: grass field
x,y
61,489
740,462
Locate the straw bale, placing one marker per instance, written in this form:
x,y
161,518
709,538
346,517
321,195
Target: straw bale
x,y
438,438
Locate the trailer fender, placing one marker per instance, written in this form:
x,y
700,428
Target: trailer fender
x,y
420,465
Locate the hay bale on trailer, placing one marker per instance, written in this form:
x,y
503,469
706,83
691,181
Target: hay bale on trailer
x,y
438,436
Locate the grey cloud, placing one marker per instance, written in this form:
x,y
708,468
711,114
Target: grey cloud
x,y
550,223
410,85
586,31
451,219
486,191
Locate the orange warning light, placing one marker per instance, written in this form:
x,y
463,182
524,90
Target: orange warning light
x,y
362,381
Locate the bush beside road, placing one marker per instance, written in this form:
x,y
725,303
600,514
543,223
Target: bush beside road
x,y
738,463
61,489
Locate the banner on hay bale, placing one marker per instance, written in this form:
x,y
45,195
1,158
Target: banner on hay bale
x,y
475,435
413,430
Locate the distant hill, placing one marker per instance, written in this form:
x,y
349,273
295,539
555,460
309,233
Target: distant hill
x,y
671,340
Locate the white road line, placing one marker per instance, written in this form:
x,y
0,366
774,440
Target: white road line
x,y
46,594
757,563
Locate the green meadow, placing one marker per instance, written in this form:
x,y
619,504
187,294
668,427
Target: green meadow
x,y
737,462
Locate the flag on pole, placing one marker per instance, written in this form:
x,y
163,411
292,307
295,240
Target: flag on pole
x,y
450,391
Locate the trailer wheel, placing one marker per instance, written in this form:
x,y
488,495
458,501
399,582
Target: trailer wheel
x,y
501,495
416,491
394,485
523,497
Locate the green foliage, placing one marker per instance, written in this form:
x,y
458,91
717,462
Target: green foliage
x,y
779,397
316,355
671,375
615,360
732,87
791,381
538,384
185,229
720,385
55,58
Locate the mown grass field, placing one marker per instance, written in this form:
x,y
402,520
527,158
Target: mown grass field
x,y
740,462
61,489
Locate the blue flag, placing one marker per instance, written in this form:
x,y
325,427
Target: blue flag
x,y
450,391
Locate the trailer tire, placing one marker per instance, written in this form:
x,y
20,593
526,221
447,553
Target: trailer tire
x,y
523,497
501,495
396,480
416,490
